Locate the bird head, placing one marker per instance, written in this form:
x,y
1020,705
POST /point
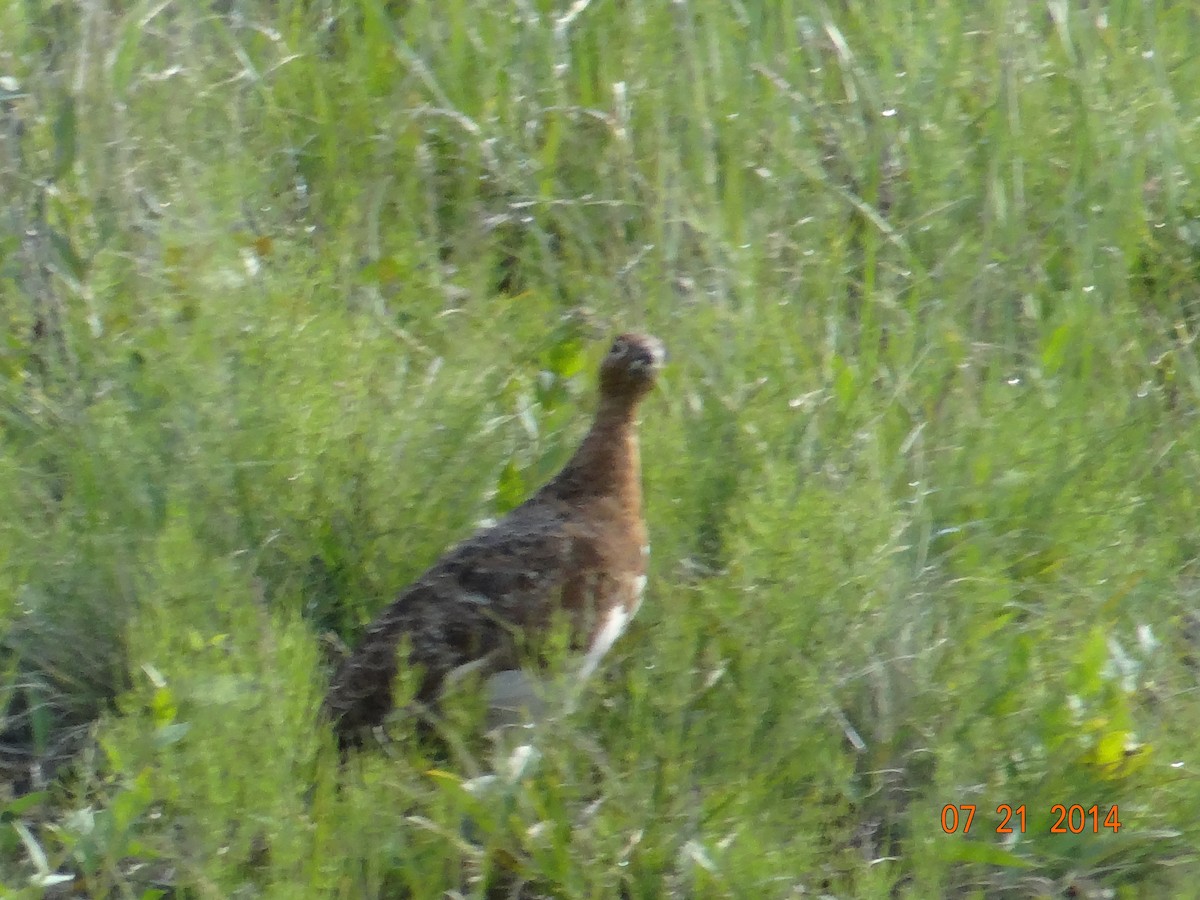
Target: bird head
x,y
631,367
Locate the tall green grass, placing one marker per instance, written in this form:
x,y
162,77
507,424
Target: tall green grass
x,y
295,293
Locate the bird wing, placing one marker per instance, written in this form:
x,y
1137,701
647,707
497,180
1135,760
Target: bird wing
x,y
466,610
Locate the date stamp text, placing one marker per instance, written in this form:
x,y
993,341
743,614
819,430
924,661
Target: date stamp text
x,y
1063,819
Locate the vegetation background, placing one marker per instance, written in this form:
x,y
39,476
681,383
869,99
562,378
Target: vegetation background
x,y
294,292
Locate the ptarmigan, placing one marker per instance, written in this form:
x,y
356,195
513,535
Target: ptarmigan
x,y
578,546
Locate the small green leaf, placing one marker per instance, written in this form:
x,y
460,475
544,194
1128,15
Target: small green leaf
x,y
1087,674
566,358
40,722
65,144
990,854
124,58
1054,354
9,244
22,805
129,805
845,385
510,487
67,255
385,270
163,707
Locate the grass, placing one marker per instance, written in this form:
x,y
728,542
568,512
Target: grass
x,y
293,293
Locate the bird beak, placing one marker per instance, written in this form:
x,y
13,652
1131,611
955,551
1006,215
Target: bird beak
x,y
658,357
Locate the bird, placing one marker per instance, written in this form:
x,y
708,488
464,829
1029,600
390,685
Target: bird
x,y
577,547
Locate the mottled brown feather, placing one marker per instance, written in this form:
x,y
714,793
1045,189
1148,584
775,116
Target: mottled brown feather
x,y
577,545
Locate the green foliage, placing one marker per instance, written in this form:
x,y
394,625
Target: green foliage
x,y
293,294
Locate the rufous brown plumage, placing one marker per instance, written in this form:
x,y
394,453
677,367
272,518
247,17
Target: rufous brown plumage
x,y
577,546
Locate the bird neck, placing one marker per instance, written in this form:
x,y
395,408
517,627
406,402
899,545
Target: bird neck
x,y
608,460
